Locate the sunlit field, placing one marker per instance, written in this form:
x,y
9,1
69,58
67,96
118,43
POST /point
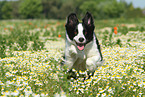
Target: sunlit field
x,y
31,52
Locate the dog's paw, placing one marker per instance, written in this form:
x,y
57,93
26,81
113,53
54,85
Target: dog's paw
x,y
90,65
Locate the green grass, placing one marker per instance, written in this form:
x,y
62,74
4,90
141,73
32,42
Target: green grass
x,y
31,52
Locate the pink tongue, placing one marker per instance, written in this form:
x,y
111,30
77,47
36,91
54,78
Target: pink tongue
x,y
80,47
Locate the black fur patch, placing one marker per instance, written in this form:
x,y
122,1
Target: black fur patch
x,y
88,24
71,25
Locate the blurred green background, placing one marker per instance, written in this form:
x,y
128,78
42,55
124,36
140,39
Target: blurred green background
x,y
59,9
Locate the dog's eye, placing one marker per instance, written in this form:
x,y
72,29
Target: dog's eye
x,y
75,33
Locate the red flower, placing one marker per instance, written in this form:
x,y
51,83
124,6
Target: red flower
x,y
45,26
59,35
58,23
30,23
115,31
5,28
115,28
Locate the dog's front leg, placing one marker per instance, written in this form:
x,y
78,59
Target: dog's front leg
x,y
71,56
92,63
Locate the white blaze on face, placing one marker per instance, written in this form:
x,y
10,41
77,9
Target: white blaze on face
x,y
80,30
80,34
80,45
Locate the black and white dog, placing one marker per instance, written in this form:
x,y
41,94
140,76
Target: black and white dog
x,y
82,51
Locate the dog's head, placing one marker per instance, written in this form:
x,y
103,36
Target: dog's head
x,y
79,33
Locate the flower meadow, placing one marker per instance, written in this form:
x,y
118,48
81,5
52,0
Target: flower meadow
x,y
32,50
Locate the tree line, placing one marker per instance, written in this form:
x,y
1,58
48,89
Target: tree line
x,y
59,9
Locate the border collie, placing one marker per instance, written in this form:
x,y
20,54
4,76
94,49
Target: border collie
x,y
82,51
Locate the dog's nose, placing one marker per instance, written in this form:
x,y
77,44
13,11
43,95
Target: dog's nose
x,y
81,39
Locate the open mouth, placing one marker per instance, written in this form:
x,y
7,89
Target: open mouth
x,y
80,46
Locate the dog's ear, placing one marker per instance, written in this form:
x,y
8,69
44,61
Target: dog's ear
x,y
72,20
88,19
